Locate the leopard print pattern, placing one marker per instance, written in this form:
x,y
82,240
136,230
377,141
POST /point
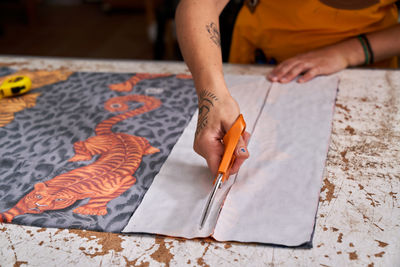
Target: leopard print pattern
x,y
37,145
4,71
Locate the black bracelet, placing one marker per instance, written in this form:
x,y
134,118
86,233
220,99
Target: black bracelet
x,y
371,53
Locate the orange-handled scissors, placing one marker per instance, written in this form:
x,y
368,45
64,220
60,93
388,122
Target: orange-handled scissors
x,y
230,140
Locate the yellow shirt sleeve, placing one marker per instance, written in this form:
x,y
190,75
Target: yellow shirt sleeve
x,y
283,29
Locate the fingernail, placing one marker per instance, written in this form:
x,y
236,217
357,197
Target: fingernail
x,y
242,150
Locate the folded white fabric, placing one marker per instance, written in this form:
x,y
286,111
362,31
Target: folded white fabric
x,y
274,197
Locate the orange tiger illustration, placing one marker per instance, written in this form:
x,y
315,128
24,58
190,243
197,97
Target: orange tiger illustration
x,y
103,180
129,84
9,106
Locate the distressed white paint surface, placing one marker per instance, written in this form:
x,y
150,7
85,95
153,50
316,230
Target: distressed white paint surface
x,y
358,221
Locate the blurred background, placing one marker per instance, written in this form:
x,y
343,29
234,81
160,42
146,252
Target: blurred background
x,y
102,29
106,29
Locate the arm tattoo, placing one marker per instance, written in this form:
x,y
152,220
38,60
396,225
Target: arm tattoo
x,y
206,103
214,33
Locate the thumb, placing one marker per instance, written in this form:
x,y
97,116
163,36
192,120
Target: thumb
x,y
241,152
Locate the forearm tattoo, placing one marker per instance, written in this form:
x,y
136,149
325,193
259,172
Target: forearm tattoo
x,y
206,103
213,32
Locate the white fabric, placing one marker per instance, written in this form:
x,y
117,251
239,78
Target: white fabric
x,y
274,197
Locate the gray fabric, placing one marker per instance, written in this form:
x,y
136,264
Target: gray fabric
x,y
6,71
36,145
175,201
274,197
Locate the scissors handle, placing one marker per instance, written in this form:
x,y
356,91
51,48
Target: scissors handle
x,y
231,140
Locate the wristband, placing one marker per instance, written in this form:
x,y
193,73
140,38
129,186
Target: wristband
x,y
369,54
364,46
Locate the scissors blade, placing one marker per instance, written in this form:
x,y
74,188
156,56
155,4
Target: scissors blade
x,y
210,200
231,140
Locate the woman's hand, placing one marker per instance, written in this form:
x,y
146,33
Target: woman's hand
x,y
323,61
216,116
330,59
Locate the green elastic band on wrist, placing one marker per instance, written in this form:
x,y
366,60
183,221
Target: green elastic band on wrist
x,y
370,52
365,48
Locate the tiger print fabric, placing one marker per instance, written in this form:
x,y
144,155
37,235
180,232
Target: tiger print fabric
x,y
39,78
38,145
4,71
9,106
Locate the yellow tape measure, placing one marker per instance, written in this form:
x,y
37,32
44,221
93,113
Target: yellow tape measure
x,y
14,86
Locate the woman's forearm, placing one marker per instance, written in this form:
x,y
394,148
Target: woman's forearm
x,y
199,40
385,43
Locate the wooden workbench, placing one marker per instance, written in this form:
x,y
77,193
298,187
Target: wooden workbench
x,y
358,220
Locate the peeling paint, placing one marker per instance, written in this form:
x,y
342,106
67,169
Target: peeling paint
x,y
162,254
381,244
345,108
135,263
377,226
59,231
339,239
19,263
350,130
353,255
108,241
330,187
380,254
373,202
343,154
200,260
227,246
